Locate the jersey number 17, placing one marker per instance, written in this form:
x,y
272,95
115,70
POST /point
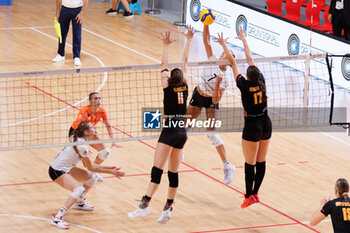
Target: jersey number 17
x,y
258,97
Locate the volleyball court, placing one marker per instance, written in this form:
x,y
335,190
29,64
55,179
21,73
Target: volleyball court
x,y
40,113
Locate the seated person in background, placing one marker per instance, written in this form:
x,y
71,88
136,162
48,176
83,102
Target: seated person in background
x,y
127,13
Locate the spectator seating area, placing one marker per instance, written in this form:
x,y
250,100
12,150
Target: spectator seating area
x,y
313,11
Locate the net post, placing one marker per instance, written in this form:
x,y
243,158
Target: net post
x,y
182,15
306,81
153,9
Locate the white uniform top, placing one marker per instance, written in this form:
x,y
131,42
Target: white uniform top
x,y
67,158
206,80
72,3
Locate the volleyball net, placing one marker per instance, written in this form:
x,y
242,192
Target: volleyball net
x,y
39,107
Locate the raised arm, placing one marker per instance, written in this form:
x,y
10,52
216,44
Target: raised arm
x,y
189,36
164,65
206,41
248,55
229,55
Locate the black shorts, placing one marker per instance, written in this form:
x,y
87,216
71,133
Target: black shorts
x,y
175,137
257,128
54,174
71,131
201,101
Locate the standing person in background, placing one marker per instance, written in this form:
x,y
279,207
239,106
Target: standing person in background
x,y
127,12
257,123
339,16
338,208
67,11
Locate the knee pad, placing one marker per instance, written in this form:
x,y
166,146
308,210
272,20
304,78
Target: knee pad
x,y
79,192
103,154
156,175
92,181
173,179
215,139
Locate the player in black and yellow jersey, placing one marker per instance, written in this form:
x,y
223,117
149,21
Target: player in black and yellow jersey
x,y
172,139
338,208
257,124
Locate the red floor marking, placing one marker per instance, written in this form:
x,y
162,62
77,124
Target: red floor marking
x,y
203,173
281,163
105,177
245,228
303,162
288,217
37,88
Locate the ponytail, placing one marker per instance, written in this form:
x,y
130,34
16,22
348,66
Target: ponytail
x,y
79,133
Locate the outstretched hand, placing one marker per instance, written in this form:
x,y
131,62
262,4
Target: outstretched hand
x,y
166,38
117,173
221,39
190,32
114,144
241,34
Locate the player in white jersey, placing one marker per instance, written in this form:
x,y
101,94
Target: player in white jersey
x,y
64,172
207,94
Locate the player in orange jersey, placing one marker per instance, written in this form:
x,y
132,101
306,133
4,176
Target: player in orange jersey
x,y
95,113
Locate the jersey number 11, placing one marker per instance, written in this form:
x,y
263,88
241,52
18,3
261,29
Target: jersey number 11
x,y
180,97
258,97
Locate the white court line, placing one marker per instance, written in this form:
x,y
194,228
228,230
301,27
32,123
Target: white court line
x,y
46,219
325,220
98,35
17,28
68,107
121,45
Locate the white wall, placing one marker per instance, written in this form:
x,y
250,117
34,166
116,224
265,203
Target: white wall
x,y
269,36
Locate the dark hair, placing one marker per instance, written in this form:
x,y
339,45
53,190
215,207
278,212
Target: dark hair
x,y
79,133
91,94
253,75
176,77
342,186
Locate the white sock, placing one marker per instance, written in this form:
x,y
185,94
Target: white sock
x,y
61,212
226,162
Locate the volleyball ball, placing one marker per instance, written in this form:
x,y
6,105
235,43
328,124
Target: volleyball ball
x,y
207,16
